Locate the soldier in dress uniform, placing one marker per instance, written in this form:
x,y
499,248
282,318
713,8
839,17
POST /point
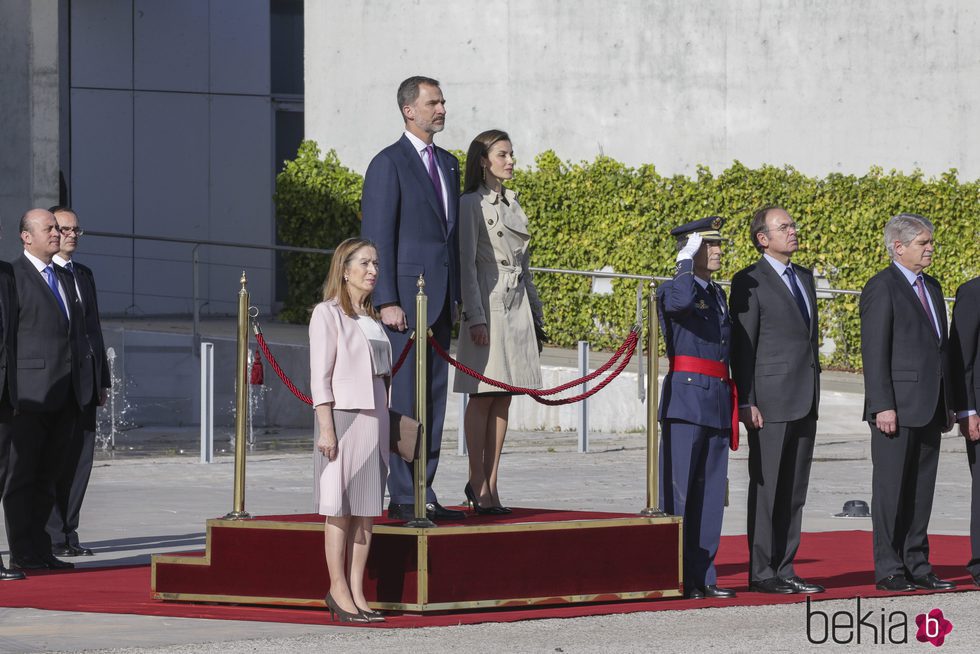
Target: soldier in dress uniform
x,y
696,410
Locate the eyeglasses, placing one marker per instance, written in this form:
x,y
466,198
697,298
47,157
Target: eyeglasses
x,y
782,229
68,230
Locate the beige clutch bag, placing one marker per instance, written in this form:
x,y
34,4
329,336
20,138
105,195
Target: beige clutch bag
x,y
405,435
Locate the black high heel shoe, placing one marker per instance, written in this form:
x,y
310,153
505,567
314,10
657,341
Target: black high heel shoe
x,y
475,504
342,615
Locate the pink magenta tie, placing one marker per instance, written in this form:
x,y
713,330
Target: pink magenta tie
x,y
434,176
920,289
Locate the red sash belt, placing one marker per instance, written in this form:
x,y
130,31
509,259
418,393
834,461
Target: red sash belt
x,y
718,370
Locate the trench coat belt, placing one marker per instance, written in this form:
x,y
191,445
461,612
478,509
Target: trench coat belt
x,y
718,370
512,278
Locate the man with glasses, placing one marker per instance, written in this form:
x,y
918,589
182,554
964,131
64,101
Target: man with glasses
x,y
776,368
908,402
71,486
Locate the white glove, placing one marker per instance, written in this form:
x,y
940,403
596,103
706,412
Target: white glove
x,y
691,247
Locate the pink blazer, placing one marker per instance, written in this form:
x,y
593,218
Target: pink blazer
x,y
340,360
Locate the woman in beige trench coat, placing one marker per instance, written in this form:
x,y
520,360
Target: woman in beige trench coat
x,y
500,309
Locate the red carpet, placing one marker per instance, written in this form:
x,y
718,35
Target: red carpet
x,y
841,561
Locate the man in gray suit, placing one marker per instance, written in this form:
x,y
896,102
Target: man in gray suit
x,y
908,402
776,368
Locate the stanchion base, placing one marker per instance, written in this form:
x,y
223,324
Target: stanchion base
x,y
238,515
653,512
420,523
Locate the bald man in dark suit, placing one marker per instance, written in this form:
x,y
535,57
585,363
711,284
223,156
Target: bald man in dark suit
x,y
908,402
776,366
54,383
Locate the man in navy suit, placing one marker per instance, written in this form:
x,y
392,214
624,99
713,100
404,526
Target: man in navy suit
x,y
696,410
776,366
908,401
70,490
409,206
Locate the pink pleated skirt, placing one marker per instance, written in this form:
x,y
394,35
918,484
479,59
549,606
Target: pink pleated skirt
x,y
354,482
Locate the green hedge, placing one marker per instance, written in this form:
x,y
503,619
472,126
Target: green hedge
x,y
603,213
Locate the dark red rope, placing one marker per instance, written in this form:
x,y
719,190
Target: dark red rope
x,y
292,387
275,367
628,346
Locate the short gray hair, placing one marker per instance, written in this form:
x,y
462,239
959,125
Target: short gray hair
x,y
408,90
903,228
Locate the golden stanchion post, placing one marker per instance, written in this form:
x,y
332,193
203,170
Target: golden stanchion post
x,y
421,351
653,405
241,405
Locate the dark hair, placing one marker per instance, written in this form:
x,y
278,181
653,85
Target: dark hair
x,y
334,285
61,207
408,91
480,148
759,225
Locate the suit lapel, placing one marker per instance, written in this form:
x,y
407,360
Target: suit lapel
x,y
414,163
939,302
912,299
41,287
778,287
448,166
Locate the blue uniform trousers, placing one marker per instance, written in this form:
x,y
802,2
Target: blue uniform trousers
x,y
693,474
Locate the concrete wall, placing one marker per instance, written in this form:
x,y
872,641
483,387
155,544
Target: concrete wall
x,y
823,85
29,130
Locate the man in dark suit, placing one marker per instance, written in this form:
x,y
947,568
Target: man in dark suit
x,y
907,402
409,206
776,368
965,346
8,381
70,490
696,410
54,382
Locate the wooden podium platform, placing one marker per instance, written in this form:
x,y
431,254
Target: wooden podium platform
x,y
530,557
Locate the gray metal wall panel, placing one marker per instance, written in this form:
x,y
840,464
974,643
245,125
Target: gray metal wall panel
x,y
241,197
240,57
171,190
102,44
171,45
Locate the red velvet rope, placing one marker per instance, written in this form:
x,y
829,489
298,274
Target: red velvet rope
x,y
628,346
292,387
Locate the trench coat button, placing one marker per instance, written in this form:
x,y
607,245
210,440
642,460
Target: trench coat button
x,y
503,262
489,222
500,233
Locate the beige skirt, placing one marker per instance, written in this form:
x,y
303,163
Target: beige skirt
x,y
354,482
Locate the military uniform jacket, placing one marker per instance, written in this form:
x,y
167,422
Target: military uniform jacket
x,y
695,323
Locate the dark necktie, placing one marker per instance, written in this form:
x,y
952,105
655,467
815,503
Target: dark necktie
x,y
920,289
797,293
52,278
434,176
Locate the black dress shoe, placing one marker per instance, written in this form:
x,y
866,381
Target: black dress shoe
x,y
10,575
56,564
61,550
694,593
401,511
802,586
436,511
932,582
78,550
773,585
716,592
895,584
27,563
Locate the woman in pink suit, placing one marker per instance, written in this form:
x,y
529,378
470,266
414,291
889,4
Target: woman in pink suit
x,y
350,366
